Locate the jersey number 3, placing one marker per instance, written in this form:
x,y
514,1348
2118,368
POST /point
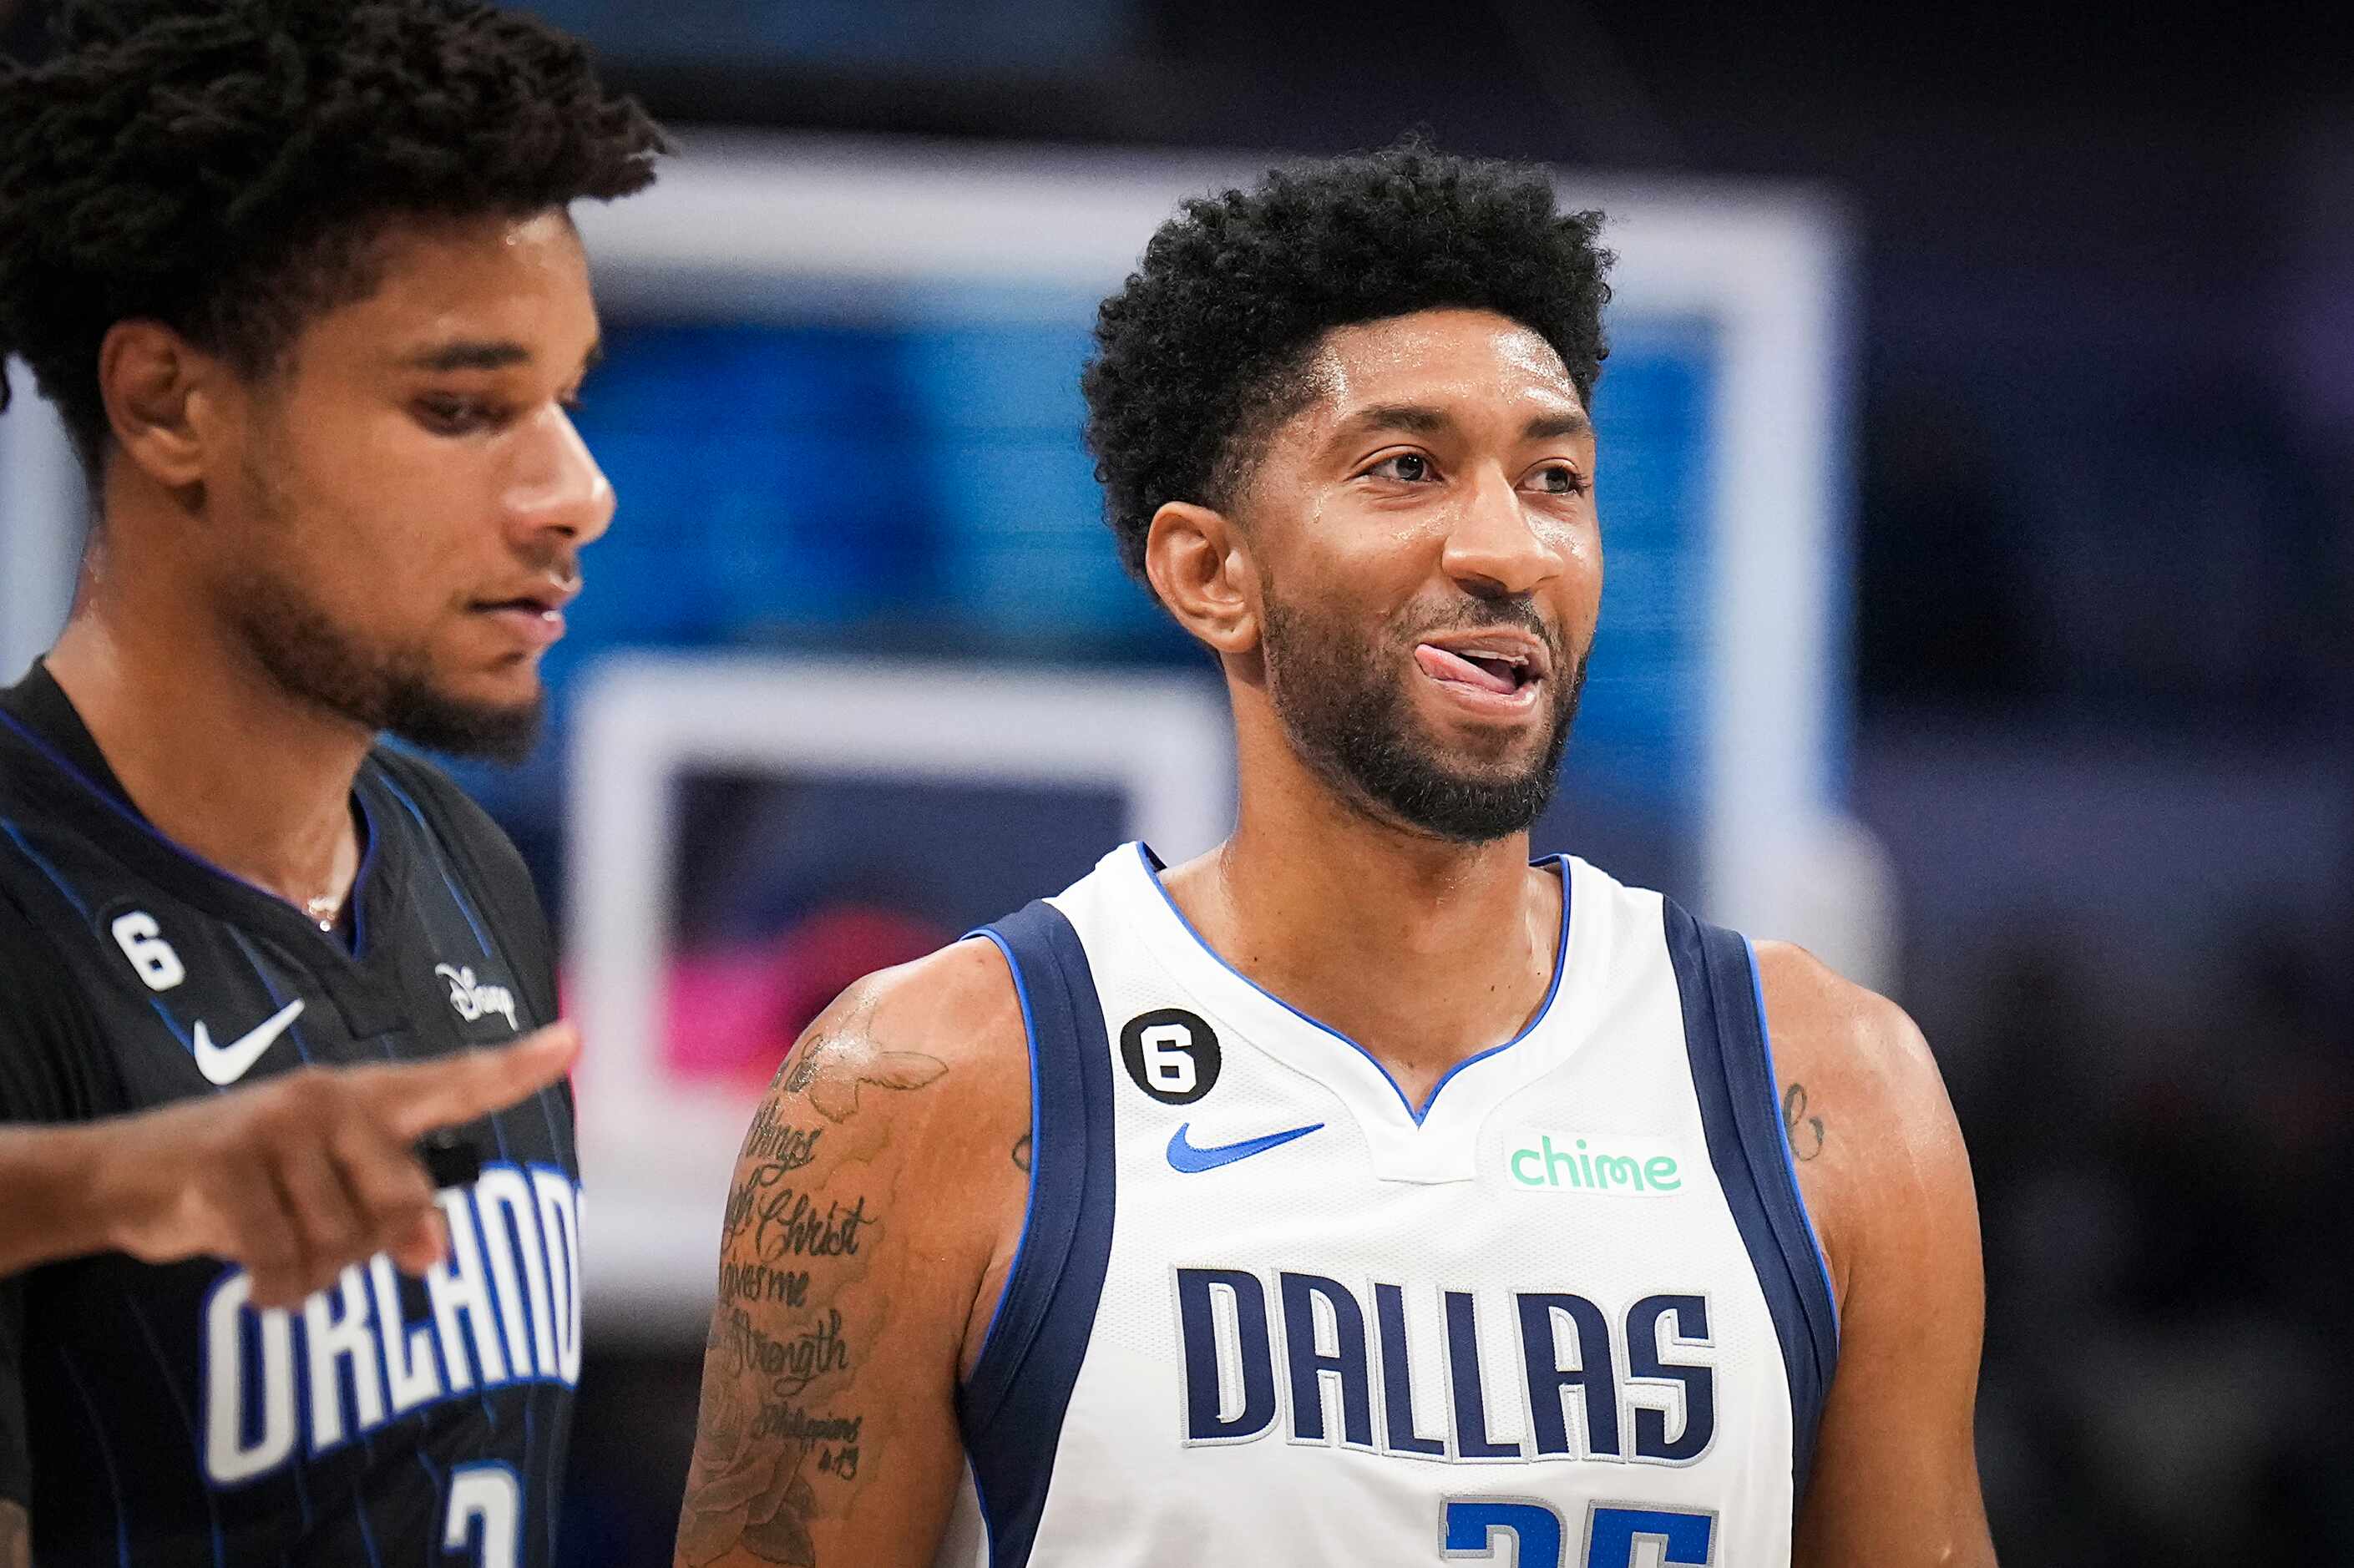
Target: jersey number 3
x,y
485,1513
1470,1525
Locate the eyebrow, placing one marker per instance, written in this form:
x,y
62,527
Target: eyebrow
x,y
1423,420
468,353
1416,418
1554,427
489,354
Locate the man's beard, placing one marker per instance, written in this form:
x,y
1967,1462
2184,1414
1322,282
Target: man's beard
x,y
1340,700
314,661
380,689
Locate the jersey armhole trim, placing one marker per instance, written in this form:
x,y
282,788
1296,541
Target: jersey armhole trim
x,y
989,1352
1010,1412
1731,1073
1789,1155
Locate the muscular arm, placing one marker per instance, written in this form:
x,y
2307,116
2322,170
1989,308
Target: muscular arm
x,y
1881,1166
868,1228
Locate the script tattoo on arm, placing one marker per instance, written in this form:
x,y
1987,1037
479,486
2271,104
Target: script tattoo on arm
x,y
16,1536
1806,1131
783,1441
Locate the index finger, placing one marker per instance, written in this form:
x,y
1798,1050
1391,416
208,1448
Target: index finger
x,y
418,1096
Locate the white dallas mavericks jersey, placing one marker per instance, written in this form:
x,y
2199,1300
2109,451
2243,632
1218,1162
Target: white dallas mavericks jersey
x,y
1567,1313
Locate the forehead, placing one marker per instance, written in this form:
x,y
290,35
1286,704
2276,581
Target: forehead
x,y
1459,359
520,279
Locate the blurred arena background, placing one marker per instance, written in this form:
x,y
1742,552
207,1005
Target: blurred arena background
x,y
1979,484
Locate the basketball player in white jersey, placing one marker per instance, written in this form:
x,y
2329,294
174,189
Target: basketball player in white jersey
x,y
1359,1192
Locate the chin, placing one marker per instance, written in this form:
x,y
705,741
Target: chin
x,y
519,688
509,683
498,720
1485,753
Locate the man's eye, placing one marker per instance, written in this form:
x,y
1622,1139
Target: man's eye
x,y
1560,479
1411,467
453,416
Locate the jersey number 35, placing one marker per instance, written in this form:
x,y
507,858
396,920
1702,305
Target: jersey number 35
x,y
1470,1525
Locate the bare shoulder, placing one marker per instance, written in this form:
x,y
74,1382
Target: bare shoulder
x,y
951,1018
1862,1103
1829,1030
925,1064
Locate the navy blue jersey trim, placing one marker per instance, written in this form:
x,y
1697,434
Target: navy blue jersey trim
x,y
1733,1074
997,1319
1010,1409
1789,1155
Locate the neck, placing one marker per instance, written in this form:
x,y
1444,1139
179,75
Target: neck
x,y
213,751
1423,950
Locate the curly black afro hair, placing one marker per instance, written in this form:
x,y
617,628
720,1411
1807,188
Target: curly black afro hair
x,y
224,165
1200,355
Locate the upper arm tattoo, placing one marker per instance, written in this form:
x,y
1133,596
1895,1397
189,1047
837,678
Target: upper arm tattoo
x,y
782,1438
16,1536
1806,1131
837,1056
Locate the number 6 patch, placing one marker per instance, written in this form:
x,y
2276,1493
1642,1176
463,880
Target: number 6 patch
x,y
1172,1053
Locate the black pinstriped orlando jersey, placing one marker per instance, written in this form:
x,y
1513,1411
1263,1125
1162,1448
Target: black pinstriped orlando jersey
x,y
150,1415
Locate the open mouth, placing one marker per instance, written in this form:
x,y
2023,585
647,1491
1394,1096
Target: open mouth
x,y
1490,670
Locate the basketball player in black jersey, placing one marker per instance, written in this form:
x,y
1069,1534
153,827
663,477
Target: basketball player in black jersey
x,y
300,276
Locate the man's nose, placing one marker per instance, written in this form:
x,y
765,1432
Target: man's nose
x,y
1493,550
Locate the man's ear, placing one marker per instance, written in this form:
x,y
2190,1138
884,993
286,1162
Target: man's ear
x,y
162,397
1199,565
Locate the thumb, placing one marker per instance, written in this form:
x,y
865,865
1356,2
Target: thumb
x,y
453,1090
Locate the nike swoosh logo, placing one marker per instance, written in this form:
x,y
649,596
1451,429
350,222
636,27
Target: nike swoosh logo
x,y
224,1064
1185,1157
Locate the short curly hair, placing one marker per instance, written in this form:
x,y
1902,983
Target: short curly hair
x,y
225,166
1200,355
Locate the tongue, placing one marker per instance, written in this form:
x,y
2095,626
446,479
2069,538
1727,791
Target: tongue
x,y
1440,665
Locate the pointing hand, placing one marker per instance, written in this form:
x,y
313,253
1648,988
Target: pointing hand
x,y
301,1176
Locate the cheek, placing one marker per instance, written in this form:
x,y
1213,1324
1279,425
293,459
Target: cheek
x,y
371,519
364,557
411,510
1374,558
1581,575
